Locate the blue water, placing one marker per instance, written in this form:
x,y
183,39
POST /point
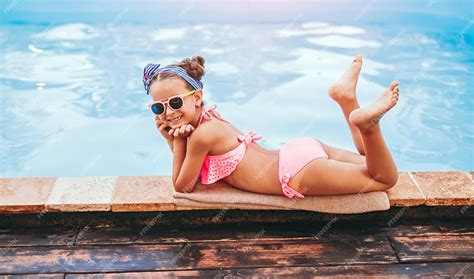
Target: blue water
x,y
72,101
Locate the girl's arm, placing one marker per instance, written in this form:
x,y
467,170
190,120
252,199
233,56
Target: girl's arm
x,y
188,157
188,153
179,153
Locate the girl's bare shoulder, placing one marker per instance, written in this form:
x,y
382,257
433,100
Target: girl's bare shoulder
x,y
212,131
207,132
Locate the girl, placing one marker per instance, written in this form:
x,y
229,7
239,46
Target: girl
x,y
206,145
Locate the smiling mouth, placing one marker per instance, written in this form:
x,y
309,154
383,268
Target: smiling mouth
x,y
175,119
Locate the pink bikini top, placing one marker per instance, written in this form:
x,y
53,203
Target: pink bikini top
x,y
216,167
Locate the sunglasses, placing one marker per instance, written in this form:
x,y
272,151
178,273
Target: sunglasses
x,y
174,102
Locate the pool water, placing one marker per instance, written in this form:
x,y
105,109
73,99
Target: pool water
x,y
73,103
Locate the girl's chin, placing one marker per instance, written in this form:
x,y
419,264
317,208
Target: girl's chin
x,y
177,124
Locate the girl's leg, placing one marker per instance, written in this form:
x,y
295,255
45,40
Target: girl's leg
x,y
332,177
343,155
343,92
379,161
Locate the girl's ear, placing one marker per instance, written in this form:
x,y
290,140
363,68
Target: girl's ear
x,y
198,97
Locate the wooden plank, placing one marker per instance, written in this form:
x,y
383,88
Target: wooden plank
x,y
244,254
441,242
37,237
430,270
435,227
433,247
222,233
230,216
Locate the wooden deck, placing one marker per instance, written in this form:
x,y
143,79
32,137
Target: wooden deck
x,y
430,248
131,227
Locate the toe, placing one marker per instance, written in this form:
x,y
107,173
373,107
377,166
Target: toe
x,y
393,84
358,58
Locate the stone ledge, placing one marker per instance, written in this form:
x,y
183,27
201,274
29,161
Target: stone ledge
x,y
155,193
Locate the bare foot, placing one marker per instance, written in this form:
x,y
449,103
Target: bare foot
x,y
345,88
367,118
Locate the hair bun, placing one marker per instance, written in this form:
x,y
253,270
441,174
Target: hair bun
x,y
194,66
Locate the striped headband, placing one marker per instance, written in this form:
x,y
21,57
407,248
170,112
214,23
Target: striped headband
x,y
151,70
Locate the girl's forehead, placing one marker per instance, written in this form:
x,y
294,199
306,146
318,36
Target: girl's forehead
x,y
163,89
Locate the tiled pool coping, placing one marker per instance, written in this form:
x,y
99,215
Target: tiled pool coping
x,y
155,193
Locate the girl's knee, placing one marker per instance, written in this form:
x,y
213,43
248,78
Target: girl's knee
x,y
389,182
393,180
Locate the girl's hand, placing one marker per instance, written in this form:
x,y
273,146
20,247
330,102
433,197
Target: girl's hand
x,y
164,131
181,132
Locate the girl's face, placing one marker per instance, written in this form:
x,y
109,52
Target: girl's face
x,y
163,89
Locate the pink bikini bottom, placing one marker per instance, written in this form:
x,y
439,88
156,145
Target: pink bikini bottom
x,y
293,156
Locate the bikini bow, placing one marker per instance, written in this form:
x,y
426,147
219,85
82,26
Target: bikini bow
x,y
247,138
289,192
286,178
207,111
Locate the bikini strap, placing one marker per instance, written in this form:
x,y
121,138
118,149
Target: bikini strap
x,y
208,113
249,137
